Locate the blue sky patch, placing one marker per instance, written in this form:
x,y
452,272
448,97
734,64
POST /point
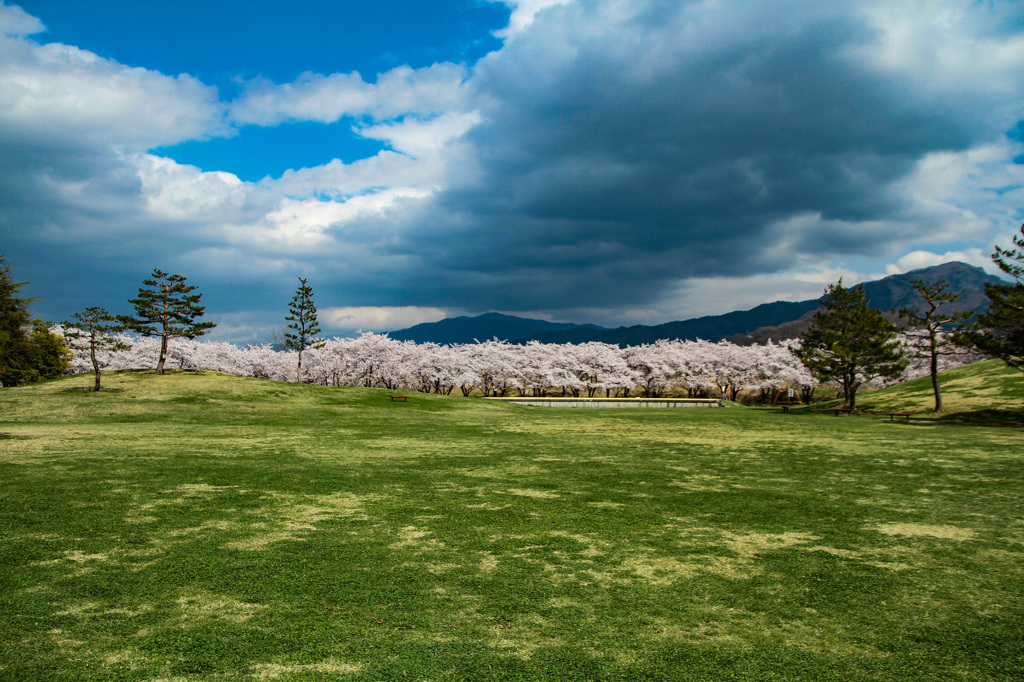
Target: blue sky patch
x,y
257,152
222,42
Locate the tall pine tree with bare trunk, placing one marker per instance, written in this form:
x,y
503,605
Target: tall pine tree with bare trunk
x,y
933,332
304,326
166,307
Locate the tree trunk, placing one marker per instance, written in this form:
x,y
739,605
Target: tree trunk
x,y
935,381
163,354
95,364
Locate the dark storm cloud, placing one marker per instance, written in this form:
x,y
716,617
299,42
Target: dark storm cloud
x,y
618,158
614,151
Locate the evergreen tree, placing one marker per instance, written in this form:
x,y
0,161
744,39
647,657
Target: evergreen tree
x,y
29,351
849,342
304,324
51,356
15,344
934,332
166,307
999,332
88,330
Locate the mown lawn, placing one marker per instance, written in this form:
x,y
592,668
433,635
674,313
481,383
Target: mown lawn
x,y
204,527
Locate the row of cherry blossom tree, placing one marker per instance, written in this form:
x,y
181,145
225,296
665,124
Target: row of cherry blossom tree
x,y
497,368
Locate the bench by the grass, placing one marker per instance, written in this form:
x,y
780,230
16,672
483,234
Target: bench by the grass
x,y
893,415
403,398
841,410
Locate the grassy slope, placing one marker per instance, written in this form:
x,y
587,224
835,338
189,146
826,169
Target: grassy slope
x,y
986,391
200,526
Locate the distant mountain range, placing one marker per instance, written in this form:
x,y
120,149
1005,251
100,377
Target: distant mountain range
x,y
778,320
483,328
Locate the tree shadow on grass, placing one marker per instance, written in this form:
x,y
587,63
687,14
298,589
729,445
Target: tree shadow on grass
x,y
89,389
987,417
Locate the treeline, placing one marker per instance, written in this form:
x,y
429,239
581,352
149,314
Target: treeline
x,y
848,346
498,368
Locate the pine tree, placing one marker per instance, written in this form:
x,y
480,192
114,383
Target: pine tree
x,y
29,350
15,344
935,332
849,342
88,330
303,323
166,307
999,332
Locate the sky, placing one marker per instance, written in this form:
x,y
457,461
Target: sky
x,y
612,162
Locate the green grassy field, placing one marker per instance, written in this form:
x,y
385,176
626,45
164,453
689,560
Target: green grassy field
x,y
198,526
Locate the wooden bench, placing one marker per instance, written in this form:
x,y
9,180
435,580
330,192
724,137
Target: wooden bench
x,y
893,415
838,410
403,398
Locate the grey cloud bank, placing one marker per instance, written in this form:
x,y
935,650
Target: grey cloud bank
x,y
610,158
620,157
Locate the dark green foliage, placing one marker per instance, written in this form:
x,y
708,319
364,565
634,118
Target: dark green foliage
x,y
166,307
88,330
15,346
50,354
29,351
934,333
850,343
1000,331
304,324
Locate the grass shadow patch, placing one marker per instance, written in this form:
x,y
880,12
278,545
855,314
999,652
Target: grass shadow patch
x,y
986,417
89,389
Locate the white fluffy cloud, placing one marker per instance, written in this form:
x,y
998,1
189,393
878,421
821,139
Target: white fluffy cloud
x,y
422,138
309,225
379,318
179,192
61,95
17,23
970,195
523,12
951,48
916,260
315,97
340,180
